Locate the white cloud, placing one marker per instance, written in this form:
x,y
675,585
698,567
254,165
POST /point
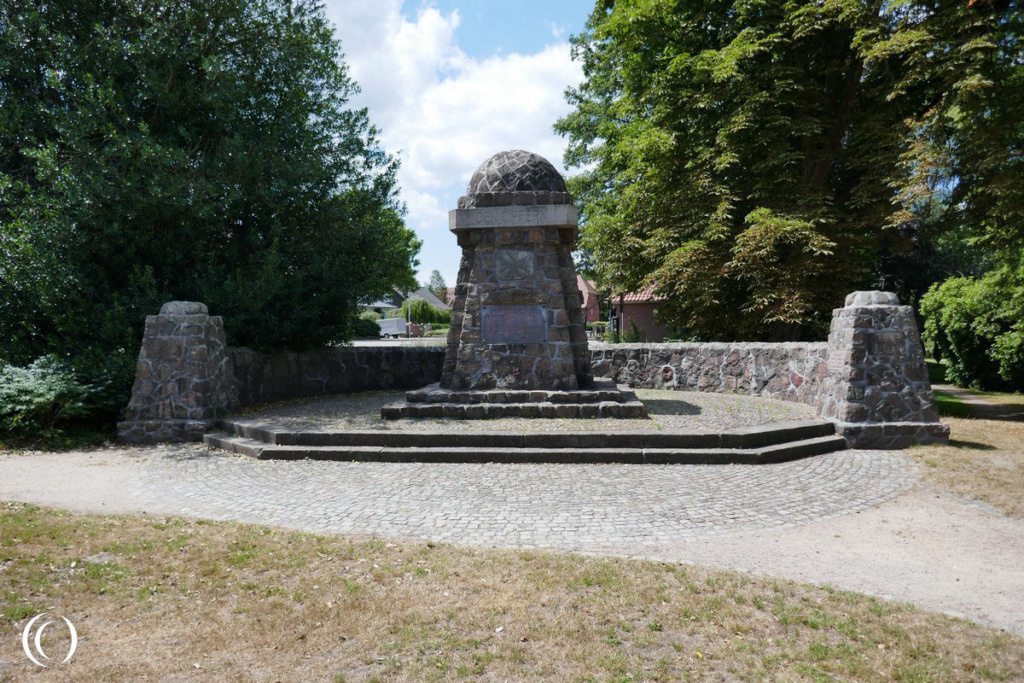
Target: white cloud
x,y
426,208
443,111
505,102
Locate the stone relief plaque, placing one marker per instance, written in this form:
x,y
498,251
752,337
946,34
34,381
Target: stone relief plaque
x,y
513,264
888,344
514,325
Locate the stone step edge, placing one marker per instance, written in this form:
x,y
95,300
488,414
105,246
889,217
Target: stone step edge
x,y
604,391
741,438
651,456
404,409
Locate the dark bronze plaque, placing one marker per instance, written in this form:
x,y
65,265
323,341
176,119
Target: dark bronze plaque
x,y
514,325
513,264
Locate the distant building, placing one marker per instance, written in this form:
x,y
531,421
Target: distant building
x,y
395,300
637,309
426,295
591,306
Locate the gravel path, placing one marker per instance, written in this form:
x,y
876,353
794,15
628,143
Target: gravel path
x,y
981,406
668,410
855,519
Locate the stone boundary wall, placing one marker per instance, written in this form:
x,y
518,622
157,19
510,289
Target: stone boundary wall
x,y
262,377
869,379
789,372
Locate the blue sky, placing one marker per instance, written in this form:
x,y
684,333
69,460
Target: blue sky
x,y
453,81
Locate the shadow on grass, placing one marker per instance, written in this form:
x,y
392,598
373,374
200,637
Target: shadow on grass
x,y
972,445
936,371
951,406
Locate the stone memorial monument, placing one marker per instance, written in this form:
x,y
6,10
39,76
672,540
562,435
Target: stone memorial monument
x,y
517,344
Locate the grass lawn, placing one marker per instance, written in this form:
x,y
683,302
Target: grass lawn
x,y
936,371
951,406
985,457
984,460
175,599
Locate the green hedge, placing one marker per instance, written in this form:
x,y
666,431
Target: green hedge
x,y
977,327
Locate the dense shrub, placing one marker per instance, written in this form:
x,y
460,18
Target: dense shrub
x,y
43,395
977,326
366,326
634,335
196,151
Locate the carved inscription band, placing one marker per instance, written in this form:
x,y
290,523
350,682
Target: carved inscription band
x,y
563,215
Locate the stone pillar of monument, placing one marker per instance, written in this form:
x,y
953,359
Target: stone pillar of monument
x,y
517,322
517,343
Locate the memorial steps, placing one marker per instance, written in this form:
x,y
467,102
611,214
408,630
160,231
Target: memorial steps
x,y
763,444
603,399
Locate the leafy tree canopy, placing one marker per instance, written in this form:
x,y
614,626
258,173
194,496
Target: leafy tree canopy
x,y
157,150
756,160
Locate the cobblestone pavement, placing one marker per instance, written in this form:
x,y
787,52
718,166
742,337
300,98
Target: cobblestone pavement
x,y
591,508
670,410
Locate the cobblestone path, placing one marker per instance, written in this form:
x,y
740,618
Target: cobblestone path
x,y
594,508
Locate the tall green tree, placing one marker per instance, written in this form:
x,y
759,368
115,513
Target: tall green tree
x,y
437,285
757,160
156,150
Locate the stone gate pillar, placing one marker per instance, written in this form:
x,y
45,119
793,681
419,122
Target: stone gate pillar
x,y
877,390
183,380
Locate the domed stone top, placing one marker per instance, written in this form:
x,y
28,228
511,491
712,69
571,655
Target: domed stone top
x,y
184,308
516,171
515,177
871,298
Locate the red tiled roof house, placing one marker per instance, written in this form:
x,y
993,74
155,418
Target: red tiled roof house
x,y
637,308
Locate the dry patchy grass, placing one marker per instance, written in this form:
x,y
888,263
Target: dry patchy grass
x,y
984,460
173,599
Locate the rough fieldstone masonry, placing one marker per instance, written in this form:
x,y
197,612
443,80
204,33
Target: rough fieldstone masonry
x,y
517,345
183,380
789,371
516,319
869,378
263,378
877,389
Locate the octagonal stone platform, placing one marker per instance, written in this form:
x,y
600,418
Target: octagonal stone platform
x,y
604,399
